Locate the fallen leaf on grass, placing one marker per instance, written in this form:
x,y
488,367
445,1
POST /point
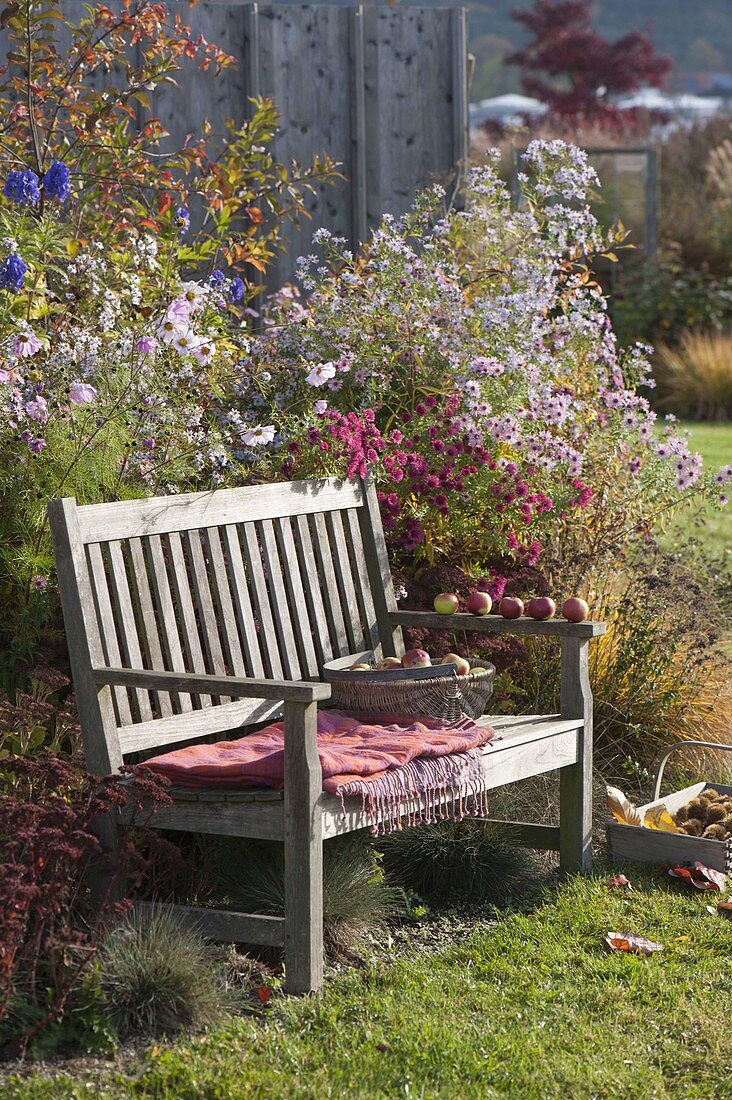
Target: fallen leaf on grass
x,y
619,880
701,877
264,993
632,943
622,808
724,908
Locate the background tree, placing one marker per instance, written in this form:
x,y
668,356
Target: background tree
x,y
570,67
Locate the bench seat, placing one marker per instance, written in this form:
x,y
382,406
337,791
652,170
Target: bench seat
x,y
527,745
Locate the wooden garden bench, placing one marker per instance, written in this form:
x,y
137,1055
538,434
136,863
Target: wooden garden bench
x,y
195,615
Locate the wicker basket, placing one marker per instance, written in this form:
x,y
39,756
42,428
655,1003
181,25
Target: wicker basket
x,y
433,692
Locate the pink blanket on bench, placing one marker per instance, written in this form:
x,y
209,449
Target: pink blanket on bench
x,y
387,765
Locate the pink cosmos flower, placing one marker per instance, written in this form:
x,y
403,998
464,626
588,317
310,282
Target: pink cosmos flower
x,y
146,344
81,393
37,409
259,435
319,407
25,345
321,374
203,351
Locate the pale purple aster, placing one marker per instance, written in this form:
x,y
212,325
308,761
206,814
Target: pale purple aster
x,y
39,582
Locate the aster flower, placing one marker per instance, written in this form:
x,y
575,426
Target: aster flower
x,y
56,182
236,290
12,272
259,435
321,374
81,393
22,187
26,344
182,220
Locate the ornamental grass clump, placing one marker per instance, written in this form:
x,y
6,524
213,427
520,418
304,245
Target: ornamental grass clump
x,y
695,378
157,977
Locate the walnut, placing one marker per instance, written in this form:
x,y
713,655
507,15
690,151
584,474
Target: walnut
x,y
715,813
715,832
693,826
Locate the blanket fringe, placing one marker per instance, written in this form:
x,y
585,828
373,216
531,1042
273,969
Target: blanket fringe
x,y
452,787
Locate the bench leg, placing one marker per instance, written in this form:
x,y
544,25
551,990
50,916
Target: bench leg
x,y
575,781
303,851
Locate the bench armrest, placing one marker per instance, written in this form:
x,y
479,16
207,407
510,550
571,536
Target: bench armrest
x,y
496,624
240,687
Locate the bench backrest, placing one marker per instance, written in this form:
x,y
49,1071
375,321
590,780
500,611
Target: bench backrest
x,y
266,580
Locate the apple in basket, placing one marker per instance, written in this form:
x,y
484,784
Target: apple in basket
x,y
462,667
446,603
541,607
389,662
416,658
360,667
479,603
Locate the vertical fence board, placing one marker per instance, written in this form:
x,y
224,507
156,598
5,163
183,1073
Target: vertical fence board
x,y
382,90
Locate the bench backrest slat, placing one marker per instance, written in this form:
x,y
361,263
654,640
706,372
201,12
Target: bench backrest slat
x,y
268,580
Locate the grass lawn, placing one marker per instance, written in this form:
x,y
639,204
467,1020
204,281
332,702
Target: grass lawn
x,y
531,1007
711,526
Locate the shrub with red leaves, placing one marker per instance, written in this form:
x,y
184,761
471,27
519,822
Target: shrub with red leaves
x,y
49,931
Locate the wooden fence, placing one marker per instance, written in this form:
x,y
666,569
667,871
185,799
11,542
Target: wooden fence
x,y
383,90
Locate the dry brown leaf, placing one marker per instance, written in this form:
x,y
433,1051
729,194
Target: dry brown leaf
x,y
701,877
658,817
725,907
631,943
619,880
622,809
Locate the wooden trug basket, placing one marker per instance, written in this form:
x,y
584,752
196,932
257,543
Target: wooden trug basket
x,y
433,692
633,842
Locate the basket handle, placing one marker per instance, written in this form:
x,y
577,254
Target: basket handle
x,y
681,745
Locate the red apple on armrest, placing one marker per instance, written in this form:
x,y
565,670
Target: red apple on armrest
x,y
511,607
479,603
541,607
575,610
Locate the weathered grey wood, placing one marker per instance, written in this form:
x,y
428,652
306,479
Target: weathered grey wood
x,y
367,612
575,782
303,851
193,724
95,707
186,610
278,600
169,635
125,615
379,571
344,578
207,611
294,583
243,602
267,635
359,229
288,690
313,594
224,925
329,587
460,128
655,846
219,578
148,622
107,628
496,624
192,511
528,834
